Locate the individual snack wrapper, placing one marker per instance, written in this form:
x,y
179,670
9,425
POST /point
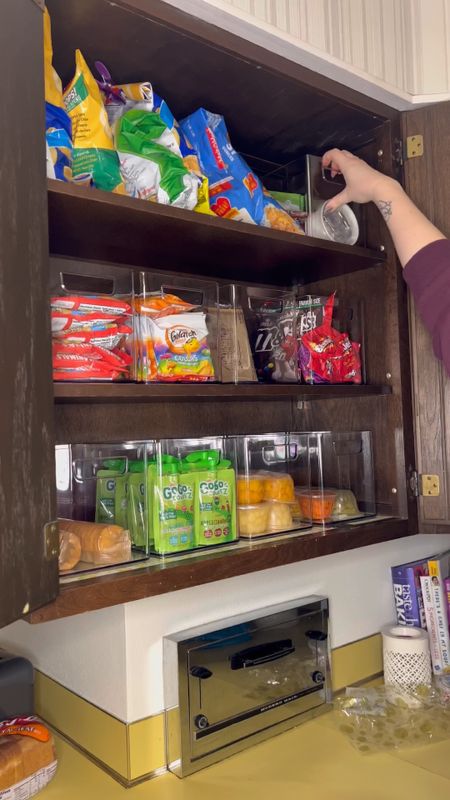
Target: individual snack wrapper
x,y
58,128
95,160
234,190
384,718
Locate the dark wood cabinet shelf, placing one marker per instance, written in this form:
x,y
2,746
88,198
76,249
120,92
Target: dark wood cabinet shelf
x,y
142,393
162,576
95,225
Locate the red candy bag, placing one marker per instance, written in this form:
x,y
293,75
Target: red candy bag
x,y
327,356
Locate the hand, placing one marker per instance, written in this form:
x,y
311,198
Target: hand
x,y
363,183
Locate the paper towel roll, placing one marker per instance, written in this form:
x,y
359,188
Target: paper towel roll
x,y
406,657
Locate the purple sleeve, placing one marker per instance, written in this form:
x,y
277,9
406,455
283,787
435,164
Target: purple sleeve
x,y
428,276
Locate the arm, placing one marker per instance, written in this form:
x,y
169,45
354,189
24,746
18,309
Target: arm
x,y
409,228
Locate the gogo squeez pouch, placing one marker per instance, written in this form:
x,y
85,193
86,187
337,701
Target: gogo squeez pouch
x,y
95,160
215,498
172,506
58,127
105,505
136,506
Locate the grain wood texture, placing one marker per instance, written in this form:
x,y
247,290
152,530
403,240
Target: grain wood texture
x,y
26,423
149,393
91,224
173,575
427,182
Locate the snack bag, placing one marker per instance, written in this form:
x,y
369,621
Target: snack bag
x,y
177,348
151,169
95,160
328,356
140,96
234,190
58,128
313,312
91,337
272,333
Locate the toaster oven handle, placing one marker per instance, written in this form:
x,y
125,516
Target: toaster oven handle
x,y
261,654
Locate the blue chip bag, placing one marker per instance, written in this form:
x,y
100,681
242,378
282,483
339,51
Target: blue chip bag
x,y
235,192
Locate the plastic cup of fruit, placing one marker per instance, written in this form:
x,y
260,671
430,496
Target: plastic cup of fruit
x,y
253,519
316,504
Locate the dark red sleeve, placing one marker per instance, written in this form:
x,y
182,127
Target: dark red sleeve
x,y
428,276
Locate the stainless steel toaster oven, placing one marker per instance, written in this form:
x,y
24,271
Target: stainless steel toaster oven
x,y
232,683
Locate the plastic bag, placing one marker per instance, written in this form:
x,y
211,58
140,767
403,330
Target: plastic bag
x,y
95,160
58,128
150,166
234,190
386,718
121,98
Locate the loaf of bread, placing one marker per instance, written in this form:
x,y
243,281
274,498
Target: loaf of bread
x,y
26,761
69,550
100,543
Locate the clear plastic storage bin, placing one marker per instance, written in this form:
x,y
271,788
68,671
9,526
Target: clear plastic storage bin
x,y
192,495
270,316
342,478
176,329
102,504
270,467
92,321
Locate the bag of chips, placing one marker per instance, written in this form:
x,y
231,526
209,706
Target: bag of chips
x,y
95,160
58,128
121,98
234,190
328,356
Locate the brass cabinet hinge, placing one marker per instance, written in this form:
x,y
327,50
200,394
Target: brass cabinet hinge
x,y
412,147
51,540
422,485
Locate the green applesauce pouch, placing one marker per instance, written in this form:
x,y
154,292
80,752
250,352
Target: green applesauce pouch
x,y
215,499
105,504
172,506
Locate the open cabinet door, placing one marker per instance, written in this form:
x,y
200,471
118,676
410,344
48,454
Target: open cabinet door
x,y
427,181
28,570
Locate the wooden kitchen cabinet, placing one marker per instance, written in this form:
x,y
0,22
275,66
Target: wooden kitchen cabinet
x,y
276,113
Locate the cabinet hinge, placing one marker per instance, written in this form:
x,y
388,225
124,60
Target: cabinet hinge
x,y
412,147
51,540
422,485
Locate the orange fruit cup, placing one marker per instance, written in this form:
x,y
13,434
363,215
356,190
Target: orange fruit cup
x,y
249,489
316,505
279,487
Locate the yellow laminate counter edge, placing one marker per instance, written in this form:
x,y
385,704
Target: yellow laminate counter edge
x,y
136,750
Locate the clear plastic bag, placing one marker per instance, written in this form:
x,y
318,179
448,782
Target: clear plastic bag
x,y
387,718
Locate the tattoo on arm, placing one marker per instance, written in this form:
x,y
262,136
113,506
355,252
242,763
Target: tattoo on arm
x,y
385,206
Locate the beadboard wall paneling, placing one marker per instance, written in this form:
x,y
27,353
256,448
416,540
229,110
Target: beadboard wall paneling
x,y
400,47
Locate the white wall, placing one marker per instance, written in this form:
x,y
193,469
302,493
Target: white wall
x,y
396,50
113,658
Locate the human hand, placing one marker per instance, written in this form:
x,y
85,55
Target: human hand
x,y
363,183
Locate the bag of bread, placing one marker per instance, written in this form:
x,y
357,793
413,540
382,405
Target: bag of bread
x,y
27,758
101,544
95,160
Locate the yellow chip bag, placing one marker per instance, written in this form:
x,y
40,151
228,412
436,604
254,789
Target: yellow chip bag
x,y
95,160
